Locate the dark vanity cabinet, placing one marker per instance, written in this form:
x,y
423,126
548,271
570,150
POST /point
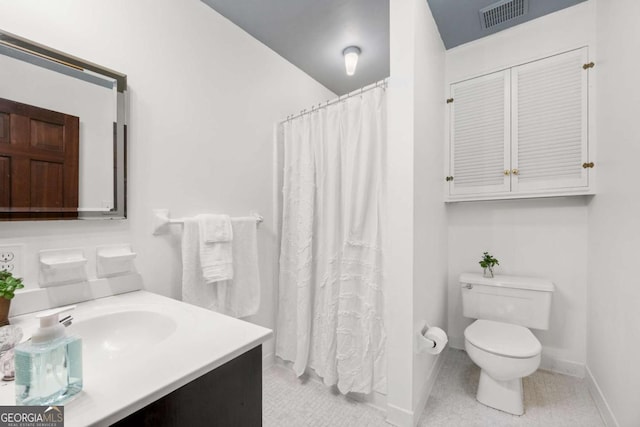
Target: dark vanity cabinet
x,y
230,395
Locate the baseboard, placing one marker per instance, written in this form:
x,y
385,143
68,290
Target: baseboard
x,y
374,399
561,366
601,403
399,417
456,342
268,360
428,387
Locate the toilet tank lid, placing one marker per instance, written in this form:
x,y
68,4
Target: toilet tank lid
x,y
516,282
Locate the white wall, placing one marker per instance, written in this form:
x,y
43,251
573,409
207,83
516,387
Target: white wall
x,y
415,266
430,216
400,188
544,238
613,341
539,238
203,99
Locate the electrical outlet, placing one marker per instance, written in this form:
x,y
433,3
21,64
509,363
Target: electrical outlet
x,y
7,256
11,258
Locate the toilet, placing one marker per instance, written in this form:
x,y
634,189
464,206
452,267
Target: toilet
x,y
500,341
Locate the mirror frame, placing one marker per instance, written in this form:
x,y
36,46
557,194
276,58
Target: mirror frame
x,y
119,209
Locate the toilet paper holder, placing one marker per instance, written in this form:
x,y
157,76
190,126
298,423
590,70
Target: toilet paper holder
x,y
423,341
424,344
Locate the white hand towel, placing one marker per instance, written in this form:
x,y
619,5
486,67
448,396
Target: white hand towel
x,y
242,297
216,228
239,297
193,288
216,259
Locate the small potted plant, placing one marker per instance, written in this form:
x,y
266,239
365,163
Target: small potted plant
x,y
487,262
8,286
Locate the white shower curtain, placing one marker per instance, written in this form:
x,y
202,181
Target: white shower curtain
x,y
330,305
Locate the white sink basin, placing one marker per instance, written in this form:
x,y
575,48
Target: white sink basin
x,y
139,347
110,336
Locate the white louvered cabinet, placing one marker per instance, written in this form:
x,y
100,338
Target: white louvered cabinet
x,y
549,120
480,133
521,132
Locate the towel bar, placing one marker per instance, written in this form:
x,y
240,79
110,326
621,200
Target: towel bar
x,y
161,220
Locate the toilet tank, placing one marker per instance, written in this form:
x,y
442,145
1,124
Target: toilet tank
x,y
524,301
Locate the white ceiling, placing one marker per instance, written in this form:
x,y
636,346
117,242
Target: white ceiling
x,y
312,34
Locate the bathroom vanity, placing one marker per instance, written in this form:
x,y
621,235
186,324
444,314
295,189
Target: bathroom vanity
x,y
151,360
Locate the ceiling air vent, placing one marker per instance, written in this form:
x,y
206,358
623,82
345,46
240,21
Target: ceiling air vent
x,y
502,11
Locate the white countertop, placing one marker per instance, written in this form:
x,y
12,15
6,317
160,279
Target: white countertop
x,y
119,385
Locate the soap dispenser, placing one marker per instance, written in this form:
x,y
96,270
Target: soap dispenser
x,y
49,365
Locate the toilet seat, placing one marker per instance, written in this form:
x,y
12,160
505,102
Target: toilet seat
x,y
503,339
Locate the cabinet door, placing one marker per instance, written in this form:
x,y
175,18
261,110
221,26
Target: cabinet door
x,y
549,123
479,135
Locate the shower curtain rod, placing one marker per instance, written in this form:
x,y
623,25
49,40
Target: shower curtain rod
x,y
379,83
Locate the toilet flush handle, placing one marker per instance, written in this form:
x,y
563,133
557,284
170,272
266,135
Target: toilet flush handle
x,y
468,286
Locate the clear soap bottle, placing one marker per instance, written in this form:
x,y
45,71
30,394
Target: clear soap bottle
x,y
49,366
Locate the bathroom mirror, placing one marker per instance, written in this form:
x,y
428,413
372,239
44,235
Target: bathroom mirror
x,y
62,135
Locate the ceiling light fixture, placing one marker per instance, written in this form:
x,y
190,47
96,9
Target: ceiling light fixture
x,y
351,59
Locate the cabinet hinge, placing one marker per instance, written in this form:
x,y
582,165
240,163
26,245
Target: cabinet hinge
x,y
588,165
448,178
589,65
449,101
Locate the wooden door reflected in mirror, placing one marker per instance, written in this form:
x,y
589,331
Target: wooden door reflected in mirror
x,y
38,162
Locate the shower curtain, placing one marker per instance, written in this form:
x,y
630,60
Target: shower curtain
x,y
330,305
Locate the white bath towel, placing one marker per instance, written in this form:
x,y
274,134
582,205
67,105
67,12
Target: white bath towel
x,y
216,228
239,297
216,256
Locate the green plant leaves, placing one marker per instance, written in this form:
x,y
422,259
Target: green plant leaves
x,y
488,261
9,284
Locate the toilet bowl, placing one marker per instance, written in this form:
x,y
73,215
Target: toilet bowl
x,y
505,354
